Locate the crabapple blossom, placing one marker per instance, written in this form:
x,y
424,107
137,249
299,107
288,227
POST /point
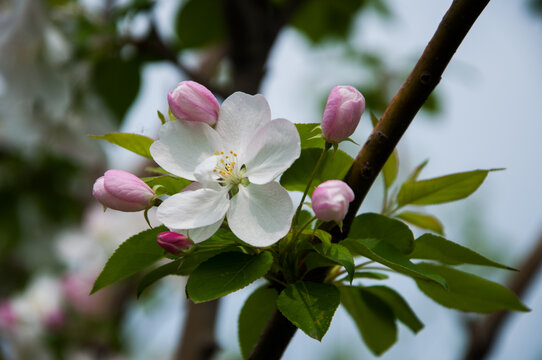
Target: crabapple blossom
x,y
191,101
173,242
342,113
330,200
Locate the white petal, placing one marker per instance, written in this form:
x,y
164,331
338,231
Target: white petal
x,y
204,173
183,145
271,151
260,215
193,209
202,233
240,117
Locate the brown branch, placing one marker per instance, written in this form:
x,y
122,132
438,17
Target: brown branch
x,y
485,331
398,115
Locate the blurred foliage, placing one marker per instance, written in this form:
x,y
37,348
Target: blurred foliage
x,y
536,7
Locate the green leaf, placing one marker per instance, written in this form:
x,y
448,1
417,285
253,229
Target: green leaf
x,y
414,175
136,143
400,307
374,119
172,184
132,256
432,247
388,255
335,166
154,275
309,306
467,292
314,260
370,275
307,133
423,221
374,318
253,317
340,255
383,228
226,273
117,81
442,189
390,169
325,237
200,23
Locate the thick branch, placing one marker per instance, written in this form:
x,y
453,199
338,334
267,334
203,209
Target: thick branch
x,y
398,115
198,335
275,338
484,332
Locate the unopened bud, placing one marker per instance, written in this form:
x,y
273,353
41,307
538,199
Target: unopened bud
x,y
123,191
342,113
173,242
330,200
191,101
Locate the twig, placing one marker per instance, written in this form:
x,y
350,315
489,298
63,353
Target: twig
x,y
485,331
398,115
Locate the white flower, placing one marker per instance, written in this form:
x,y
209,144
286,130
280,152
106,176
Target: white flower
x,y
234,166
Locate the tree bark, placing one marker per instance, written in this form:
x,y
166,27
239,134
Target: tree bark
x,y
198,335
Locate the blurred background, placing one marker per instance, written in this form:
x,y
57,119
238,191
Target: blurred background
x,y
72,68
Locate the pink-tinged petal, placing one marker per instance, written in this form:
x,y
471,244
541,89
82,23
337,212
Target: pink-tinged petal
x,y
330,200
342,113
127,201
272,150
193,209
128,187
260,215
191,101
183,145
240,117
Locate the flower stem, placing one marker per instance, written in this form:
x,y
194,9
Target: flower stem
x,y
314,171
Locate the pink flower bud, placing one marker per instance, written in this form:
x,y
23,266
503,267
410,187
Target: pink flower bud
x,y
173,242
193,102
8,318
330,200
344,108
123,191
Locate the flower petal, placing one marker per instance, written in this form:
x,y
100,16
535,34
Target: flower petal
x,y
193,209
204,173
272,150
203,233
183,145
240,117
260,215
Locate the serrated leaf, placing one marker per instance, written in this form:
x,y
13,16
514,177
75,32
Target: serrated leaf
x,y
441,189
388,255
253,317
382,228
160,272
335,166
423,221
432,247
307,133
136,143
400,307
467,292
374,318
226,273
132,256
173,185
309,306
339,255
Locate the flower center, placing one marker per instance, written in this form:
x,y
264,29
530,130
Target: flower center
x,y
228,170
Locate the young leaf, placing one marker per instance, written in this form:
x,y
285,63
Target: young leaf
x,y
390,169
132,256
432,247
423,221
388,255
325,237
467,292
308,134
442,189
253,317
172,184
153,276
383,228
136,143
370,275
309,306
226,273
335,166
374,318
414,175
340,255
400,307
